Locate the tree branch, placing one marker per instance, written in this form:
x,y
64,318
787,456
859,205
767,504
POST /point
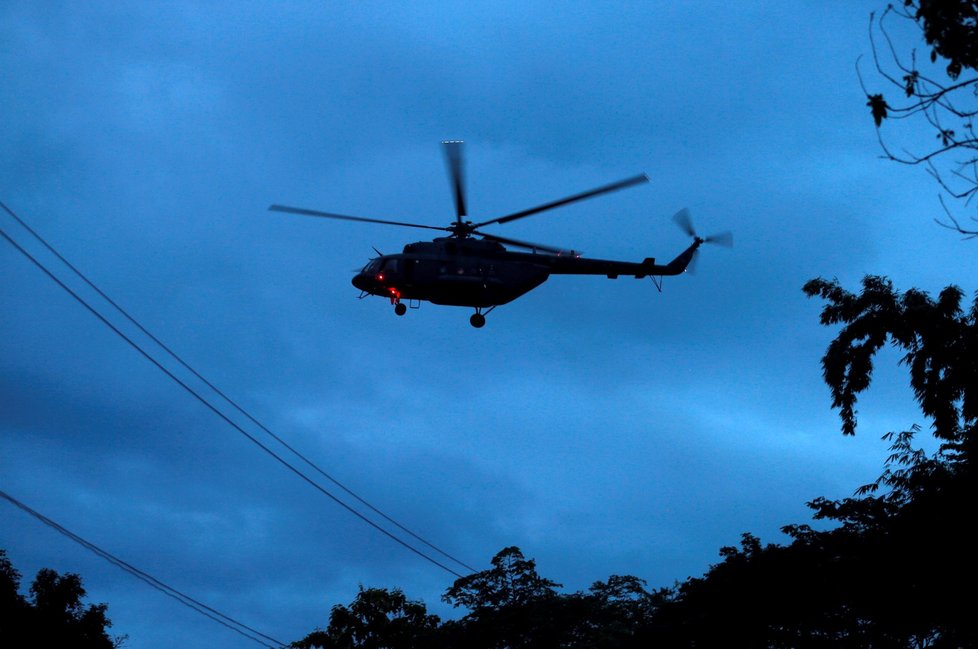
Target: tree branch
x,y
948,108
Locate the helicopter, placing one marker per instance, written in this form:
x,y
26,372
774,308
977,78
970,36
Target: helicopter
x,y
475,269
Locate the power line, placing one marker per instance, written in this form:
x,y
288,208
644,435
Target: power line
x,y
215,409
221,393
186,600
212,407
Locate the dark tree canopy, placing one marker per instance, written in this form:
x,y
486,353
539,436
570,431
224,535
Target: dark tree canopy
x,y
510,605
376,619
894,571
54,614
512,580
941,96
951,29
896,567
939,340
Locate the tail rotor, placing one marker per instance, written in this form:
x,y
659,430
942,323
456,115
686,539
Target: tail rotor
x,y
685,223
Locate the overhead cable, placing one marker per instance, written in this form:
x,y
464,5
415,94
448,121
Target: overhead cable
x,y
216,410
188,601
221,393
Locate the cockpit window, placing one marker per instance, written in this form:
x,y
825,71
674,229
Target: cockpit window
x,y
372,267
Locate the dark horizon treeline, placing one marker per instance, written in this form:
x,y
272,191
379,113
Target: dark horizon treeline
x,y
896,567
899,571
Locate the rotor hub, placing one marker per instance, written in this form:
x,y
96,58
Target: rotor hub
x,y
461,229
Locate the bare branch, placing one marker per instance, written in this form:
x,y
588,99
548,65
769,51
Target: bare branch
x,y
954,224
947,105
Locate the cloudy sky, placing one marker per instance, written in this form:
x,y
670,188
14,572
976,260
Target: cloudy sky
x,y
603,427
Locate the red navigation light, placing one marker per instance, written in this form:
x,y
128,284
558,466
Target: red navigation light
x,y
380,277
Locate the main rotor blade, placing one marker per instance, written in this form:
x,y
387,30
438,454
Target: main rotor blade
x,y
522,244
328,215
456,171
621,184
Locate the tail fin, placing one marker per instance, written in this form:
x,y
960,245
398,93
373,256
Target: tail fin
x,y
681,262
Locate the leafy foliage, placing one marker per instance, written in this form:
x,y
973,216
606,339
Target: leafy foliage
x,y
376,618
939,340
892,573
510,605
53,616
951,28
512,581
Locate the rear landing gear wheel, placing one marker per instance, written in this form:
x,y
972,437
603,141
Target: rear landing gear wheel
x,y
477,320
400,308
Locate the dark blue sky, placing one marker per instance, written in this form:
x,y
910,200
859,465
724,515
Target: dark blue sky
x,y
601,426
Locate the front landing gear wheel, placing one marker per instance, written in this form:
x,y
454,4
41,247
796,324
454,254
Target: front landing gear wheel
x,y
477,320
400,308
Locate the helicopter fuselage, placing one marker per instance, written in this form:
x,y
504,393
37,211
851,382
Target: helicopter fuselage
x,y
484,274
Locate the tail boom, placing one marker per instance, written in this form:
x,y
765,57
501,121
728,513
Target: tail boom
x,y
571,265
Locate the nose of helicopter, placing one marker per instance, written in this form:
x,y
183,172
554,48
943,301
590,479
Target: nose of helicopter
x,y
360,281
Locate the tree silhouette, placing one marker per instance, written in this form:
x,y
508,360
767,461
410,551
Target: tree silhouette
x,y
893,572
915,537
512,581
53,616
510,605
942,99
616,610
894,568
377,618
940,344
14,609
